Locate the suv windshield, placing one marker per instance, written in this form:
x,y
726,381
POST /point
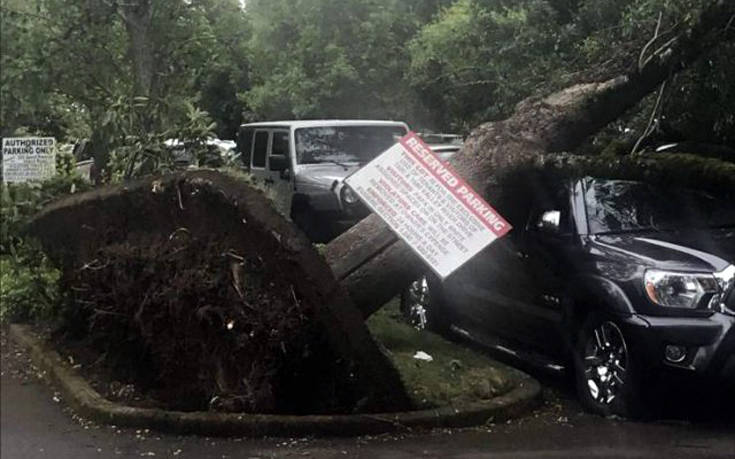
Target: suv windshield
x,y
344,144
622,205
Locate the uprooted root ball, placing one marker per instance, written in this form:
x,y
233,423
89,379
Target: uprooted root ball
x,y
192,288
202,328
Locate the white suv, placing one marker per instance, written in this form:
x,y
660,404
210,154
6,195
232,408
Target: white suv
x,y
302,164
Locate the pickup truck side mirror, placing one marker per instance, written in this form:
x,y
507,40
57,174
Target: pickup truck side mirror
x,y
278,163
549,222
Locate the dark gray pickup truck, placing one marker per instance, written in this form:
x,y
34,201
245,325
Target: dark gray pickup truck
x,y
616,280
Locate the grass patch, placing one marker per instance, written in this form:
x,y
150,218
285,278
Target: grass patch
x,y
455,376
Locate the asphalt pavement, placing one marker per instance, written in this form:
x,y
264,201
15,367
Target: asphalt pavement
x,y
35,423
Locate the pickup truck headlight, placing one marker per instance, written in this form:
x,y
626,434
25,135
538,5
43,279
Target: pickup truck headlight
x,y
679,290
726,279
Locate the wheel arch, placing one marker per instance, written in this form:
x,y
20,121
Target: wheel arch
x,y
589,294
300,201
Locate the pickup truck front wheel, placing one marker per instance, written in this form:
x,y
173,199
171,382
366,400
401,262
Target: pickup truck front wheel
x,y
606,373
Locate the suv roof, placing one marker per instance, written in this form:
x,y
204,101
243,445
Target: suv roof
x,y
319,123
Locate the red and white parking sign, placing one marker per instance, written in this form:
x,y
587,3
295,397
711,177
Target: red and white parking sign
x,y
428,205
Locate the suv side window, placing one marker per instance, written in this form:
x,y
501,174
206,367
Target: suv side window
x,y
280,144
551,211
260,148
245,145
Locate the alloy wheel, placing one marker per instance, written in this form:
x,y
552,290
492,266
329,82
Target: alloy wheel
x,y
417,302
605,363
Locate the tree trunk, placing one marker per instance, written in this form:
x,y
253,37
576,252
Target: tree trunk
x,y
137,16
374,265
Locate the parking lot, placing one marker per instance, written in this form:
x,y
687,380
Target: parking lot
x,y
35,424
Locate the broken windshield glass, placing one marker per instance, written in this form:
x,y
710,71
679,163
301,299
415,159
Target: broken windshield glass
x,y
622,205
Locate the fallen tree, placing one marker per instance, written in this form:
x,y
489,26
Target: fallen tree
x,y
194,286
374,265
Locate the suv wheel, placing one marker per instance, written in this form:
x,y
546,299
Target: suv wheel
x,y
605,370
421,308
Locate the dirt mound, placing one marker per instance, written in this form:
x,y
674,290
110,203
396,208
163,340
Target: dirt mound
x,y
194,287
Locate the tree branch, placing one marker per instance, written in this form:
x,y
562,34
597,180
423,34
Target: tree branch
x,y
650,42
647,131
25,13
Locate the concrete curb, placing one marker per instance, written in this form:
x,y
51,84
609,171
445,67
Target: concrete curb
x,y
89,403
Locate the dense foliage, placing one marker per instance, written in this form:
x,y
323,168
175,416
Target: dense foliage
x,y
327,58
127,75
130,75
28,286
28,281
479,57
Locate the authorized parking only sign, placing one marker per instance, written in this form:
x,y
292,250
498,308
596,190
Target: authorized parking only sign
x,y
28,158
428,205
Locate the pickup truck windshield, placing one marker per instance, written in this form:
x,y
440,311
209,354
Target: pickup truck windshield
x,y
622,205
344,144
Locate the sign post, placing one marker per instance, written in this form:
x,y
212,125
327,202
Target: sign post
x,y
28,158
428,205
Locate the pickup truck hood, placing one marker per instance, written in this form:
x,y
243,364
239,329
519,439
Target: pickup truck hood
x,y
323,175
691,250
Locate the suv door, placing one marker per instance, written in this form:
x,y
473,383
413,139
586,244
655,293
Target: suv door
x,y
488,294
279,180
258,155
245,145
514,288
546,250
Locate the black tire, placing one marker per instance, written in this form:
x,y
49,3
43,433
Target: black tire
x,y
607,374
421,306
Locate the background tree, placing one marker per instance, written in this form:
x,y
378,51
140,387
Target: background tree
x,y
328,58
132,74
478,58
228,72
127,74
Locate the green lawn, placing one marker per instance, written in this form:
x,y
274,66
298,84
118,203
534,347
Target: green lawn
x,y
456,376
